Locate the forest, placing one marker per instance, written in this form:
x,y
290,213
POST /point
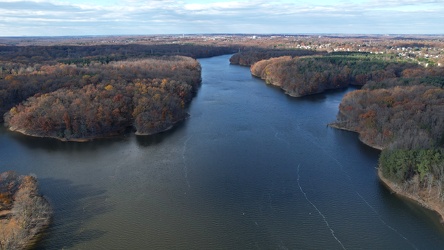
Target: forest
x,y
399,108
75,92
299,76
250,57
405,118
69,101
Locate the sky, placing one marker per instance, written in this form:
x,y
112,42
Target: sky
x,y
138,17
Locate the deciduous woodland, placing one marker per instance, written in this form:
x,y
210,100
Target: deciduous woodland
x,y
251,57
29,70
96,100
299,76
405,118
23,212
84,92
399,109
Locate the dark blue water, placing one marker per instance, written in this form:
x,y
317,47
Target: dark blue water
x,y
250,169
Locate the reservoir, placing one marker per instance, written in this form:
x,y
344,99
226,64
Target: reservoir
x,y
250,169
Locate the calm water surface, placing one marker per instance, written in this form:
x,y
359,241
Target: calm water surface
x,y
250,169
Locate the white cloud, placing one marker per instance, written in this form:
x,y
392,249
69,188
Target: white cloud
x,y
69,17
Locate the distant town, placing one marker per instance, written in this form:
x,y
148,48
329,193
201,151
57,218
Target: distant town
x,y
425,49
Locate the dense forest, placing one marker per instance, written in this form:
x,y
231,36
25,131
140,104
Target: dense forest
x,y
23,212
100,99
104,53
251,57
307,75
405,118
76,92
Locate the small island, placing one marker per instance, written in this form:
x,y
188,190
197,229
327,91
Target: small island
x,y
24,213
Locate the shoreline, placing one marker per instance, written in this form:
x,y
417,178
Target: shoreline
x,y
337,126
88,139
23,132
430,204
425,202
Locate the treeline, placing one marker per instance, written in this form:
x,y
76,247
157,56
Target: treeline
x,y
307,75
415,170
104,53
23,212
409,117
70,102
251,57
407,122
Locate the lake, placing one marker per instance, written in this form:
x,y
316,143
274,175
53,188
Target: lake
x,y
250,169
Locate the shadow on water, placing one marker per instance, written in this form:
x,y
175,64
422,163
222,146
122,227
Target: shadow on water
x,y
320,97
155,139
52,145
415,209
72,205
316,98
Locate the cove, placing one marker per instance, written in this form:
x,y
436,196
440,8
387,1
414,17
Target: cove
x,y
250,169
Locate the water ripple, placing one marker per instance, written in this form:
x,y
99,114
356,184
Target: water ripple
x,y
341,166
319,212
185,167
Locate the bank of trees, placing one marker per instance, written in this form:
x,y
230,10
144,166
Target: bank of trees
x,y
251,57
407,122
405,117
23,212
29,70
104,53
69,101
307,75
411,117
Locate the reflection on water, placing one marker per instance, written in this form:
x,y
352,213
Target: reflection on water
x,y
72,205
250,169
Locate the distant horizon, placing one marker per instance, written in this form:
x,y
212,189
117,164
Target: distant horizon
x,y
55,18
229,34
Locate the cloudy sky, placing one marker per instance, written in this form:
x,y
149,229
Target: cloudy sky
x,y
138,17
